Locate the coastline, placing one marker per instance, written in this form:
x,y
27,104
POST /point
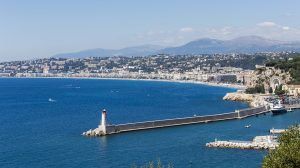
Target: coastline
x,y
224,85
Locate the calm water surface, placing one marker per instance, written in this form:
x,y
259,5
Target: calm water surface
x,y
37,133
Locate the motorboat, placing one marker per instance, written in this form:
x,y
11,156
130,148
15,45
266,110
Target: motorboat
x,y
278,109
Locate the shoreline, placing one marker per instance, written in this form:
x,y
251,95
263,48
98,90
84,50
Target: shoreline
x,y
224,85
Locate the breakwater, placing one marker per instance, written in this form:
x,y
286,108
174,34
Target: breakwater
x,y
104,129
259,142
277,131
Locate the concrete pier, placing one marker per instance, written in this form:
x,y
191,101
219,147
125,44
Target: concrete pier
x,y
277,131
294,106
104,129
259,142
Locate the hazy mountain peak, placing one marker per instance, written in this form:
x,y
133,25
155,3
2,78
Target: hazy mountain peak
x,y
254,40
250,37
142,50
205,41
243,44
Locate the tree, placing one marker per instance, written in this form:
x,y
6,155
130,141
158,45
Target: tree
x,y
291,66
287,154
256,89
279,91
270,90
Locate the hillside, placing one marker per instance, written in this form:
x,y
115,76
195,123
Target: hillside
x,y
245,44
143,50
292,66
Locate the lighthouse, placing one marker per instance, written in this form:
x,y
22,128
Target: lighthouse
x,y
102,125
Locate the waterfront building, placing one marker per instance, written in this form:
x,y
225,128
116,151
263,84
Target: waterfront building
x,y
292,89
226,78
4,74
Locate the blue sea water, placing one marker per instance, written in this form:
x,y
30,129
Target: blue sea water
x,y
36,132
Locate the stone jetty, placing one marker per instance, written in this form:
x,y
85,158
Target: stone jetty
x,y
101,130
259,142
104,129
277,131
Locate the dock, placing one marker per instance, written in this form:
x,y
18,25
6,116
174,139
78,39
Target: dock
x,y
259,142
277,131
293,107
104,129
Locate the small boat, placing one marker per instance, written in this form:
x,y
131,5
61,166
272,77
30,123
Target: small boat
x,y
51,100
289,110
248,126
278,109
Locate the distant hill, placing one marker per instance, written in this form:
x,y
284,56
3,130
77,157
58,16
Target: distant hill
x,y
143,50
245,44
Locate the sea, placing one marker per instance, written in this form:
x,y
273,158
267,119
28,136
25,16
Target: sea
x,y
41,121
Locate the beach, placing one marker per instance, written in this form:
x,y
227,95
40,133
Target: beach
x,y
226,85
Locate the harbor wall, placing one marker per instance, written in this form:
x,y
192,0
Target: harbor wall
x,y
111,129
251,111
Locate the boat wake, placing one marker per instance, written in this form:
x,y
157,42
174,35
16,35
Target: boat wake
x,y
51,100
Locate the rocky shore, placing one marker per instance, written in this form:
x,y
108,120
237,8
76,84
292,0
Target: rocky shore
x,y
239,97
259,142
254,100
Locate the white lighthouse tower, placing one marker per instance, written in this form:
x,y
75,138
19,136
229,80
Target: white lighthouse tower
x,y
102,125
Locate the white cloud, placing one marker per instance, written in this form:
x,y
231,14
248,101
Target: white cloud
x,y
267,24
286,28
186,29
225,30
177,37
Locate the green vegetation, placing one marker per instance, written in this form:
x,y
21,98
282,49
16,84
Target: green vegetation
x,y
260,70
152,165
287,154
270,90
256,89
279,91
291,66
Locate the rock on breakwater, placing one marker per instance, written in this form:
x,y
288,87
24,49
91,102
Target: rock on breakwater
x,y
259,142
94,132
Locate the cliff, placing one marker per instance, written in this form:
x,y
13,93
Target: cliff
x,y
239,97
252,99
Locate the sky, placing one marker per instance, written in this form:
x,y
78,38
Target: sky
x,y
37,29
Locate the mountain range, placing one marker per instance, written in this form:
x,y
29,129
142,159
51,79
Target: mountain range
x,y
245,44
143,50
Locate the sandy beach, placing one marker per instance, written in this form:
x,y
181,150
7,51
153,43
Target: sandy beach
x,y
226,85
